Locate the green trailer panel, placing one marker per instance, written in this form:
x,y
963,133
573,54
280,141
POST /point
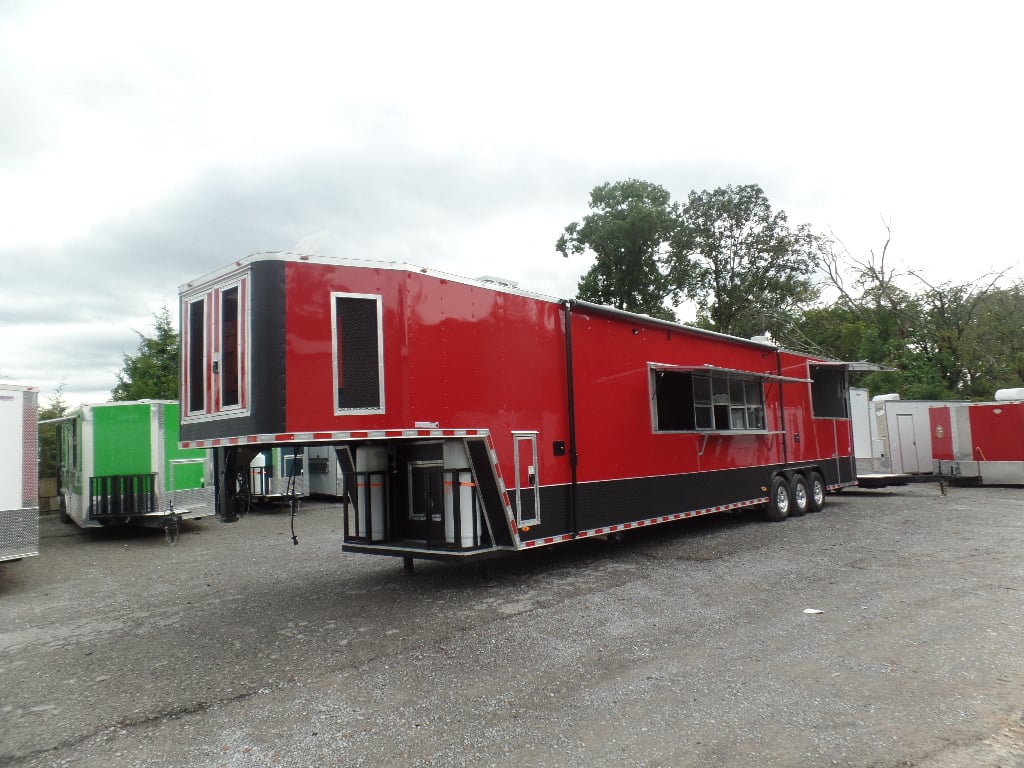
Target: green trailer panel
x,y
123,439
186,476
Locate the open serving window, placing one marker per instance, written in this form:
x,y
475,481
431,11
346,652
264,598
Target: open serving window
x,y
706,398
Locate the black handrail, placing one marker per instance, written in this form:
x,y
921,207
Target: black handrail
x,y
122,495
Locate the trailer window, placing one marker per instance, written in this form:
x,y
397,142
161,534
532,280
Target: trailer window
x,y
685,401
229,347
358,354
829,394
215,350
196,356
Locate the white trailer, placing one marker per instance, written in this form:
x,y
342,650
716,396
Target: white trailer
x,y
19,472
275,473
903,434
891,437
325,472
865,450
278,473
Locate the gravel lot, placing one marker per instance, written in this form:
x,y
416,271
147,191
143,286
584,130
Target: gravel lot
x,y
685,645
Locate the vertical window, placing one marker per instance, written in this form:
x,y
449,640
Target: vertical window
x,y
358,360
215,350
196,356
229,347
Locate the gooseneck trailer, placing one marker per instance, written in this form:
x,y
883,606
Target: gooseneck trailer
x,y
19,472
472,418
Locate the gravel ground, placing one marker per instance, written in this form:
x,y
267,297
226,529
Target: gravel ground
x,y
687,644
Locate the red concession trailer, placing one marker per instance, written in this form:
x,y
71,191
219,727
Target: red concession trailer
x,y
980,443
472,418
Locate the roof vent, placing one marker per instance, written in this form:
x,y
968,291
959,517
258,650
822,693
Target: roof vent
x,y
502,281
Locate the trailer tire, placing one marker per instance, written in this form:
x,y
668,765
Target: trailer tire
x,y
64,516
800,501
779,499
817,490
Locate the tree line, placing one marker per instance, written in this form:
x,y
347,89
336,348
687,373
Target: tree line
x,y
746,271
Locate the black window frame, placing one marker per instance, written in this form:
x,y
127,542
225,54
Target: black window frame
x,y
196,341
706,401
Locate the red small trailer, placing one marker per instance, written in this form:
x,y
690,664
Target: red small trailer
x,y
980,443
472,418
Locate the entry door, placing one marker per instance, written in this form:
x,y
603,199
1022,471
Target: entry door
x,y
908,443
527,489
425,517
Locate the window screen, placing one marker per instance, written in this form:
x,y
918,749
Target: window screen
x,y
357,352
686,401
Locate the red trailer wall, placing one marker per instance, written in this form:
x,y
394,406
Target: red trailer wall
x,y
997,431
941,427
459,355
614,426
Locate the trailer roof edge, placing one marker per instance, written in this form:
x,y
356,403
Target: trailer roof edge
x,y
490,283
647,319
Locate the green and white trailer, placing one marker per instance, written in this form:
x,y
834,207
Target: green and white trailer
x,y
19,472
120,464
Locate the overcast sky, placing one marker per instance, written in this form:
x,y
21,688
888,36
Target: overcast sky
x,y
143,145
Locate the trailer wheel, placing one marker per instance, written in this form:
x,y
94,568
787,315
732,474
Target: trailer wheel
x,y
779,499
816,483
801,500
64,516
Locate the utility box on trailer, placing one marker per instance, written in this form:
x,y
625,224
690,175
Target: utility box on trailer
x,y
19,472
120,464
472,418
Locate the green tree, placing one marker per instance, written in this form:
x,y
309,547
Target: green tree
x,y
55,409
747,270
944,341
152,373
991,346
629,232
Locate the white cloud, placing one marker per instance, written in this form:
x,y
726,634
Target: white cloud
x,y
142,147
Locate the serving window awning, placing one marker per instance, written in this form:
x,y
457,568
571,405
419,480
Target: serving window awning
x,y
854,365
709,369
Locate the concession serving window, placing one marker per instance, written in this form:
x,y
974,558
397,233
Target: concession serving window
x,y
708,398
